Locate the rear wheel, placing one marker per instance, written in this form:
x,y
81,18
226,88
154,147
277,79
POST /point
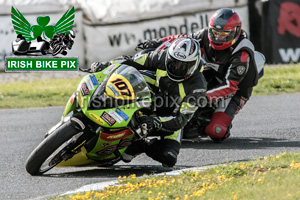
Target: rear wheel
x,y
53,149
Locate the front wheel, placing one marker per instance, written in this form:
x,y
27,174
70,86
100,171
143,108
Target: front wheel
x,y
51,150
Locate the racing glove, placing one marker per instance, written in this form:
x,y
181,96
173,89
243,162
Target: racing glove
x,y
150,124
98,66
147,44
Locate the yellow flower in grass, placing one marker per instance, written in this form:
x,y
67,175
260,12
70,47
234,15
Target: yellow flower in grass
x,y
99,194
230,179
87,194
260,180
200,192
261,166
133,176
294,165
73,197
141,184
212,186
242,167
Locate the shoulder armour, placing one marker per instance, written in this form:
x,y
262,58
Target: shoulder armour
x,y
259,58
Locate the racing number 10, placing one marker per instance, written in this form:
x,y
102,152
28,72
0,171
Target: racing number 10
x,y
122,86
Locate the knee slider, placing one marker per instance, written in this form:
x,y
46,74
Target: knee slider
x,y
169,157
216,130
218,125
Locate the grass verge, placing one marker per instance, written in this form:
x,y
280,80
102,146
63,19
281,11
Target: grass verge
x,y
279,80
56,92
37,93
274,177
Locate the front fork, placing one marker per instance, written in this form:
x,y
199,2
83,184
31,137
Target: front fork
x,y
70,106
68,112
72,112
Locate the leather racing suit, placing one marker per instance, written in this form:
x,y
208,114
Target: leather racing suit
x,y
175,103
231,75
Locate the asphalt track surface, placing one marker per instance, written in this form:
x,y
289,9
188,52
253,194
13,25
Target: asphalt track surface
x,y
267,125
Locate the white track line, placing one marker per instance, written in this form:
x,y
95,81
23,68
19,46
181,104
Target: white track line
x,y
102,185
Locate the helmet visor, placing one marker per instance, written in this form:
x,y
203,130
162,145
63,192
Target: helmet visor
x,y
220,36
178,69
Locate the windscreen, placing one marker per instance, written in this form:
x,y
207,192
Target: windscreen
x,y
124,86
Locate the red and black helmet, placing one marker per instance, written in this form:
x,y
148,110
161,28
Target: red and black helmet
x,y
224,28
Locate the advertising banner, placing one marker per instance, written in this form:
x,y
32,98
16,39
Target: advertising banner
x,y
284,38
124,11
105,42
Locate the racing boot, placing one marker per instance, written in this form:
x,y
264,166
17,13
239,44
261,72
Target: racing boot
x,y
190,132
135,149
167,167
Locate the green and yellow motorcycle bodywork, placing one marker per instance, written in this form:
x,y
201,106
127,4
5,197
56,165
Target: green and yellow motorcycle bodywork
x,y
98,123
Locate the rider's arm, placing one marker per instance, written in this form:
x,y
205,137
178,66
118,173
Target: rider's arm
x,y
237,70
192,101
150,61
198,35
154,43
99,66
146,61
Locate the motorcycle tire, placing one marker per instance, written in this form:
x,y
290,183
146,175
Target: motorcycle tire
x,y
56,141
56,50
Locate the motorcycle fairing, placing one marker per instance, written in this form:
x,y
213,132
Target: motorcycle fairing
x,y
70,106
104,150
108,143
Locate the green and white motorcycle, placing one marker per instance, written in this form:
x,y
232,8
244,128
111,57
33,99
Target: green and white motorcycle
x,y
99,122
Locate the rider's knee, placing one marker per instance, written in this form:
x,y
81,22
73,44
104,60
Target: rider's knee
x,y
218,126
216,130
170,151
169,157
